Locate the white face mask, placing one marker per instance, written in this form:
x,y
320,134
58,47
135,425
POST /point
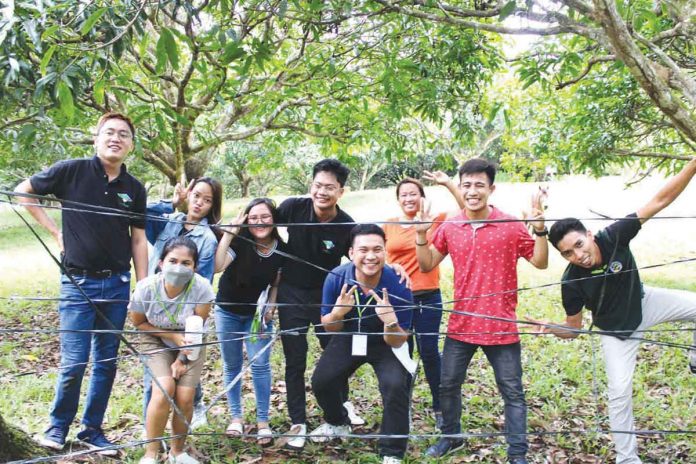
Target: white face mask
x,y
177,275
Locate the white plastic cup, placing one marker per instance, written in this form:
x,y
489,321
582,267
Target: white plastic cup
x,y
194,335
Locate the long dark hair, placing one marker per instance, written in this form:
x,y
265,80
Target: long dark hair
x,y
215,212
244,244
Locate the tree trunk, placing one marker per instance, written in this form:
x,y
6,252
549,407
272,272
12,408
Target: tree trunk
x,y
16,444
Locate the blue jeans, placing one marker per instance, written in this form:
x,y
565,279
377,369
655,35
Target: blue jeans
x,y
233,358
426,319
75,347
507,367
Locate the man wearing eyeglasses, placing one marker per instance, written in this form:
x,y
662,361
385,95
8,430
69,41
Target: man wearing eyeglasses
x,y
96,251
319,239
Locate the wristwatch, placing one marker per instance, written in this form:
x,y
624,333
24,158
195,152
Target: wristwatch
x,y
183,358
543,233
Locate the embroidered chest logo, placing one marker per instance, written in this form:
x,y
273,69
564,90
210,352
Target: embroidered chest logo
x,y
125,199
328,245
615,266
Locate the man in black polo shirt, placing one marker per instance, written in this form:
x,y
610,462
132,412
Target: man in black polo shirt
x,y
603,277
97,251
300,289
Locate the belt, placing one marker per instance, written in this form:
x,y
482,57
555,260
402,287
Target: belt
x,y
103,274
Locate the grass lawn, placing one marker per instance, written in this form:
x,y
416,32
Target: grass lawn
x,y
564,380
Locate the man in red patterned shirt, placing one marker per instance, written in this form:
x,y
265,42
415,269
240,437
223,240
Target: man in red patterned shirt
x,y
485,257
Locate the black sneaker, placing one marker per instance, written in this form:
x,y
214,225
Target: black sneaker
x,y
444,447
95,439
53,438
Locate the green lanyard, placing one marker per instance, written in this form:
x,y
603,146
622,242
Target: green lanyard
x,y
172,317
361,310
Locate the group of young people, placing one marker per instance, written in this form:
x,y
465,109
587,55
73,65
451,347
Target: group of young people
x,y
367,310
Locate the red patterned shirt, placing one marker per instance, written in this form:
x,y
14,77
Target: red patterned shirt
x,y
485,263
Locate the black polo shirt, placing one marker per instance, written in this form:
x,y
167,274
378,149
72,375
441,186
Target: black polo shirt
x,y
94,242
323,245
613,291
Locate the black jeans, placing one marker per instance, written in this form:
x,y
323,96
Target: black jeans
x,y
300,315
336,365
507,367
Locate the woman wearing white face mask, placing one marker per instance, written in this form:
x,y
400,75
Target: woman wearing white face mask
x,y
161,304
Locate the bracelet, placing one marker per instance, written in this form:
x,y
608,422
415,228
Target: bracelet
x,y
421,244
391,325
543,233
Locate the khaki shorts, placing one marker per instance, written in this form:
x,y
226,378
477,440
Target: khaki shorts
x,y
160,362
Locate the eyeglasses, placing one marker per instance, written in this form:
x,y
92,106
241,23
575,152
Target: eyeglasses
x,y
328,188
264,218
122,134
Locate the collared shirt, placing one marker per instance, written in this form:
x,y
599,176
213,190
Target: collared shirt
x,y
92,241
613,291
399,296
485,275
323,244
401,249
159,232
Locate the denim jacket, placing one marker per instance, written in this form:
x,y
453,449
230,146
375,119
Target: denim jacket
x,y
158,232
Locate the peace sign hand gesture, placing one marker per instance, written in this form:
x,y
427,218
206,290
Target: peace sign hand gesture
x,y
536,213
181,193
384,308
345,301
424,216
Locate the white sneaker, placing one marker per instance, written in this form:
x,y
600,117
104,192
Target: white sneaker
x,y
199,418
354,418
391,460
297,443
147,460
326,432
183,458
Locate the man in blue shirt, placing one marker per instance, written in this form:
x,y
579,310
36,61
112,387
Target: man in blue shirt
x,y
357,301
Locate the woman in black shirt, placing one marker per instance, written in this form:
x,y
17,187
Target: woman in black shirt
x,y
244,311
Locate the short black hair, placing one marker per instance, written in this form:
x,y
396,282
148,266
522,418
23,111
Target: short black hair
x,y
333,166
366,229
561,228
180,242
477,165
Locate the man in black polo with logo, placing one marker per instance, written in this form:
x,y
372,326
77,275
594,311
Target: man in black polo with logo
x,y
603,277
300,289
97,251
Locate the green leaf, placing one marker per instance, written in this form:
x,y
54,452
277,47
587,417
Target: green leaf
x,y
65,98
507,9
46,59
232,52
50,31
99,88
170,47
161,52
92,20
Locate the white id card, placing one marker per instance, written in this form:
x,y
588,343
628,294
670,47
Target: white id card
x,y
359,345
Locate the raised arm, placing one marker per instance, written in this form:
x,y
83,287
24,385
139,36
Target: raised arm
x,y
443,179
668,193
540,258
222,257
427,254
38,212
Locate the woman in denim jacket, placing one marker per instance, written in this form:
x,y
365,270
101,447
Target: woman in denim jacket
x,y
204,199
